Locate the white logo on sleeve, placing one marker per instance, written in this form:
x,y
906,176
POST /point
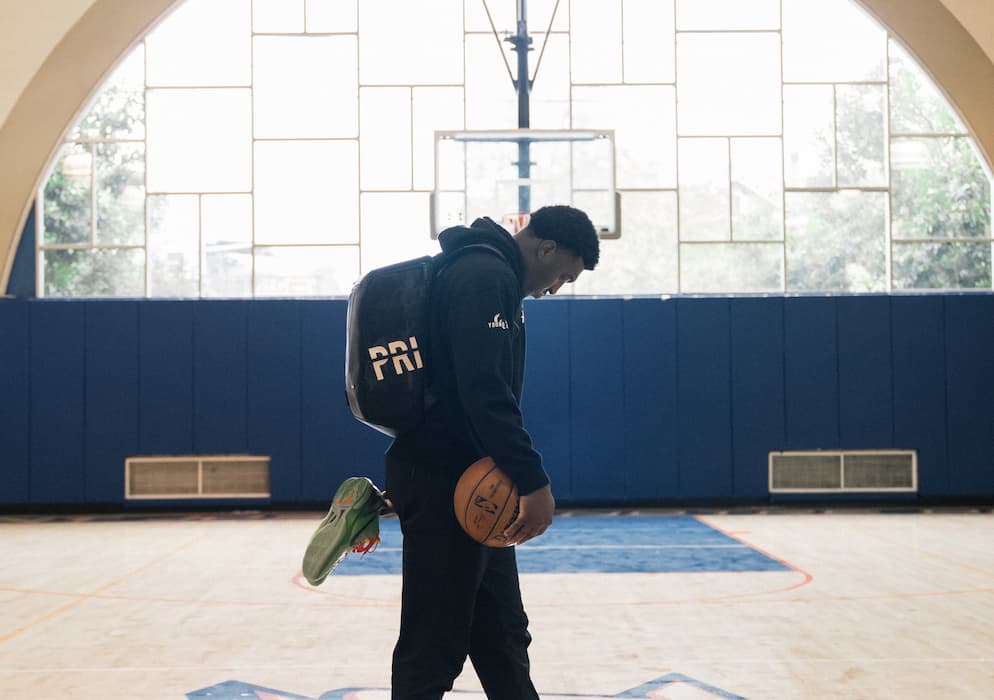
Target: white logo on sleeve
x,y
498,322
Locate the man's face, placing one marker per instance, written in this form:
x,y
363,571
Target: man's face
x,y
553,267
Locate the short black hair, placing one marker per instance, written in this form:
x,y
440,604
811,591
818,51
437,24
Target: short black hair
x,y
570,228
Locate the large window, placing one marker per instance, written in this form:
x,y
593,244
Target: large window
x,y
284,147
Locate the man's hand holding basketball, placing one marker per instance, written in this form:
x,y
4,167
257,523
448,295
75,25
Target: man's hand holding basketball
x,y
535,512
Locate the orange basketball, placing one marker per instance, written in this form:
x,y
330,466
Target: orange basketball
x,y
486,501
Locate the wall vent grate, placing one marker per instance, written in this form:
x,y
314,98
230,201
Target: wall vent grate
x,y
842,471
199,476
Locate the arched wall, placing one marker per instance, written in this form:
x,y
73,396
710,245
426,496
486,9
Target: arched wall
x,y
61,85
941,33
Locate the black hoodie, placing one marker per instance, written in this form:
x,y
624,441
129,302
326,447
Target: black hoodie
x,y
477,338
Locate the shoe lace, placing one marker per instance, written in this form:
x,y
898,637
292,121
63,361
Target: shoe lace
x,y
366,546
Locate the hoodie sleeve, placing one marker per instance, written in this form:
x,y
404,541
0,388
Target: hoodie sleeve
x,y
481,323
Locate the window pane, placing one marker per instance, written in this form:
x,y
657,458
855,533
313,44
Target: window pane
x,y
645,130
306,192
727,14
120,176
294,98
861,125
226,230
716,268
95,272
757,190
394,52
278,16
67,197
648,41
942,265
809,136
595,33
118,109
434,109
836,241
392,230
728,84
550,93
305,271
649,233
199,140
491,102
203,42
831,41
916,105
331,16
385,144
938,189
704,196
173,246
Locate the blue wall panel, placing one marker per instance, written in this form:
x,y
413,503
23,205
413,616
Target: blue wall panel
x,y
811,378
597,406
920,387
757,392
111,396
650,411
970,393
545,404
866,417
57,389
165,339
274,392
220,356
704,391
639,399
327,453
15,425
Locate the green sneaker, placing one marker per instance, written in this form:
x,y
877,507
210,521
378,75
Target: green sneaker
x,y
353,523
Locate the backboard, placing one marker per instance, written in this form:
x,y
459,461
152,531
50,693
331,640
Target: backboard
x,y
508,174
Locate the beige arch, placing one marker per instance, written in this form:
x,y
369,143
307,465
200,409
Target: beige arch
x,y
77,65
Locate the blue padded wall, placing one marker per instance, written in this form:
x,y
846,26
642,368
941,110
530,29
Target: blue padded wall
x,y
57,400
112,396
918,341
597,399
811,374
970,392
866,417
327,450
545,404
274,392
703,391
757,392
650,411
628,400
220,374
165,352
15,419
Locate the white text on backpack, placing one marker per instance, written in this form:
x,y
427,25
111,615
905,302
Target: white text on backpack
x,y
401,354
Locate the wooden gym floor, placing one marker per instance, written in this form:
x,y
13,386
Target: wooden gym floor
x,y
767,604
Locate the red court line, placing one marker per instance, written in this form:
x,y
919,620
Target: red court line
x,y
808,578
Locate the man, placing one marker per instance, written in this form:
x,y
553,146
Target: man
x,y
459,597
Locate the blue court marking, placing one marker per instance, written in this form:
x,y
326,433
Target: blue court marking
x,y
238,690
601,544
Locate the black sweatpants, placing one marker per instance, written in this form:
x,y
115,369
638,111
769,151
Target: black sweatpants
x,y
459,598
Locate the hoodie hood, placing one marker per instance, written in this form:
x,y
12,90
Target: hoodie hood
x,y
485,230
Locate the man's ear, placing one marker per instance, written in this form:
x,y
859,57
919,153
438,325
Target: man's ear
x,y
546,248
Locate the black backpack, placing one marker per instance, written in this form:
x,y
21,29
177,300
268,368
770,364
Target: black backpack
x,y
387,352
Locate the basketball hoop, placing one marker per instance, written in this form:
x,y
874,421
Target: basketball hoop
x,y
515,221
